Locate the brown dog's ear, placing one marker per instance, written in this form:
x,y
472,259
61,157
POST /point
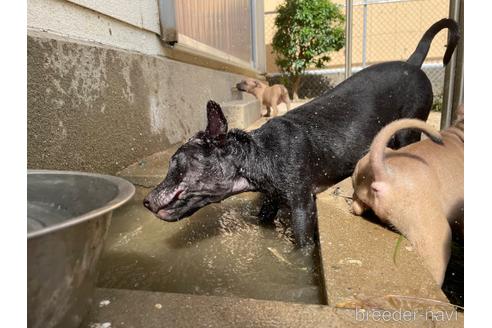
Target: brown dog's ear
x,y
217,123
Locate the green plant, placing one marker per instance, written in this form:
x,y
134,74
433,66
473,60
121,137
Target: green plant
x,y
437,103
307,31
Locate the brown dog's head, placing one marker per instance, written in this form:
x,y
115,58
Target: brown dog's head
x,y
367,191
361,183
249,85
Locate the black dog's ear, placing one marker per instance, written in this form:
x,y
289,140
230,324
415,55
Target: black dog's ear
x,y
217,123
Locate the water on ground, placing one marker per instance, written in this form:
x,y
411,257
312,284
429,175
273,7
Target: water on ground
x,y
221,250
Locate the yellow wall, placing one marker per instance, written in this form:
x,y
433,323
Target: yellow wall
x,y
393,31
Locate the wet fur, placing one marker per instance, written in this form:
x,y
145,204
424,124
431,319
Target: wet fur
x,y
294,156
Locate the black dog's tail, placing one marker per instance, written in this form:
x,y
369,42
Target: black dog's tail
x,y
418,56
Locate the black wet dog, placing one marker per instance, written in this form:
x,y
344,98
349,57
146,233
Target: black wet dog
x,y
293,157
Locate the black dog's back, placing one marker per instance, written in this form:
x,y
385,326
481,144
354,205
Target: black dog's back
x,y
339,126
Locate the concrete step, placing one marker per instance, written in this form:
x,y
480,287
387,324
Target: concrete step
x,y
241,113
129,308
357,255
149,171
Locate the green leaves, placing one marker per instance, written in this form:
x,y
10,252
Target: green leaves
x,y
307,30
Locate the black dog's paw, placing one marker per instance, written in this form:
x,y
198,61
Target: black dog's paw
x,y
266,220
268,212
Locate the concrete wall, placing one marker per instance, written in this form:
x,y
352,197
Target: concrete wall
x,y
95,108
102,89
143,14
131,25
97,23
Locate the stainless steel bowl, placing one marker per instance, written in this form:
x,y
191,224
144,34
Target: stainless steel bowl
x,y
68,216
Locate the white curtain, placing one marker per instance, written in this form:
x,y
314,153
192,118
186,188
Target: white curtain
x,y
222,24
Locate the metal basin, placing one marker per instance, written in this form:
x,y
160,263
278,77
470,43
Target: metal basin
x,y
68,216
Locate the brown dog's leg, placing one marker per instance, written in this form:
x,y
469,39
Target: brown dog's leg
x,y
274,111
431,235
286,100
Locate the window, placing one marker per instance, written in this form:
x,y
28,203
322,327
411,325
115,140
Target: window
x,y
222,28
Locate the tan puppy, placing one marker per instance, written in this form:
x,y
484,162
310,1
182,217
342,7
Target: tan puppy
x,y
418,188
269,96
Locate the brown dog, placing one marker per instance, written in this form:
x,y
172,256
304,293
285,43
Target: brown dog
x,y
269,96
418,188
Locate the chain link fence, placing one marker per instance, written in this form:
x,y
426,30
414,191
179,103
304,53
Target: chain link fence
x,y
383,30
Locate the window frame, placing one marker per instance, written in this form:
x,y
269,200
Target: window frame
x,y
181,42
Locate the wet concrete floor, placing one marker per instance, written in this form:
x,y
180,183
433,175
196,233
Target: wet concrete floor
x,y
221,250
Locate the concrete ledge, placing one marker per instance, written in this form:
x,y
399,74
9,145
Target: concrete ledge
x,y
149,171
125,308
357,256
241,113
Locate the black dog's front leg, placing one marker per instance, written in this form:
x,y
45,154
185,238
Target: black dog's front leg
x,y
304,216
268,210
